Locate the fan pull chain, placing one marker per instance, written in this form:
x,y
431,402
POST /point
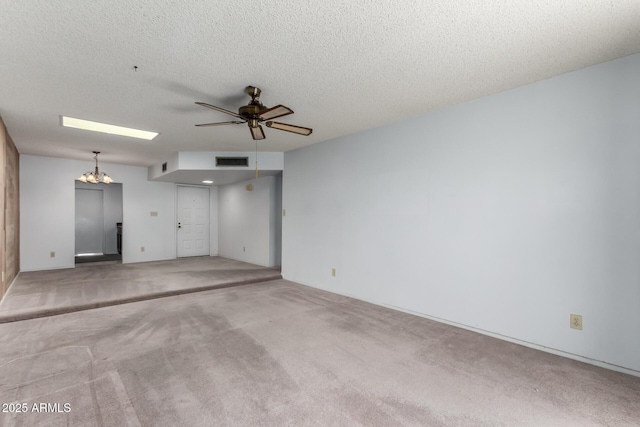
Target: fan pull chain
x,y
256,159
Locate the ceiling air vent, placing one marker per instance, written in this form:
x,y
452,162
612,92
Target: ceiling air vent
x,y
232,161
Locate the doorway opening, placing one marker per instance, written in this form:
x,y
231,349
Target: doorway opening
x,y
98,223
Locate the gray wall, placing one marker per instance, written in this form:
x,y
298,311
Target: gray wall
x,y
249,221
504,215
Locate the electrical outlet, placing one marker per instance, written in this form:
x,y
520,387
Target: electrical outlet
x,y
576,322
333,272
284,212
52,254
141,248
244,249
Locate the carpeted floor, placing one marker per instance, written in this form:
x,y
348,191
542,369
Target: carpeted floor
x,y
44,293
278,353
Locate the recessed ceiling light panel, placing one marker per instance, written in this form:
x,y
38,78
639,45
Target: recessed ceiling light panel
x,y
208,181
105,128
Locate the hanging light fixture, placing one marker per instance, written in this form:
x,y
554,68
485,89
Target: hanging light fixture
x,y
96,176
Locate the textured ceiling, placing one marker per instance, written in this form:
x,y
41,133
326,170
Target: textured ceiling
x,y
341,66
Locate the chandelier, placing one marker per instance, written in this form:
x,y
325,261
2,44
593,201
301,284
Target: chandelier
x,y
96,176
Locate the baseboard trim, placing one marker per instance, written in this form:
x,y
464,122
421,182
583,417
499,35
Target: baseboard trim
x,y
62,267
557,352
9,288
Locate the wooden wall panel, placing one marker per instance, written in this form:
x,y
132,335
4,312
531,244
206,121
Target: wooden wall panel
x,y
12,212
9,209
4,284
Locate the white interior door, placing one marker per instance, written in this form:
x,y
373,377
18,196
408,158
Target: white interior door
x,y
193,221
89,221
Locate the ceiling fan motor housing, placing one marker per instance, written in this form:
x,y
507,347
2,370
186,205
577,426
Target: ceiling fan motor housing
x,y
251,110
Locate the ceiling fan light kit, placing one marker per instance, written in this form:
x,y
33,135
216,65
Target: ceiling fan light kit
x,y
255,113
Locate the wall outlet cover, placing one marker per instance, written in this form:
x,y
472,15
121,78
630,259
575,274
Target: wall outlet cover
x,y
576,322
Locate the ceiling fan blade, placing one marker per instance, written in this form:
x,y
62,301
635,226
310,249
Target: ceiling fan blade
x,y
257,132
222,110
236,122
277,111
290,128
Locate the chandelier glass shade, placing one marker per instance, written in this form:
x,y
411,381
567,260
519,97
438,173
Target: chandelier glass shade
x,y
96,176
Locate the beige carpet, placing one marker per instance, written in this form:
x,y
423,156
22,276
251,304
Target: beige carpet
x,y
45,293
278,353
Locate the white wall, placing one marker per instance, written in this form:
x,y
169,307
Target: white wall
x,y
47,212
206,160
504,214
275,223
248,221
213,225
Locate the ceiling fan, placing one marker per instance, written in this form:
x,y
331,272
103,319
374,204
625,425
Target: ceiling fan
x,y
254,113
